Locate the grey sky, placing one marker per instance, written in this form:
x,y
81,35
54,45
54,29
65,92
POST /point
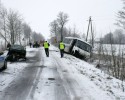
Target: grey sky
x,y
39,13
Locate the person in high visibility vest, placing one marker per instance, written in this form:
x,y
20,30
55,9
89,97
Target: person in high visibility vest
x,y
61,47
46,47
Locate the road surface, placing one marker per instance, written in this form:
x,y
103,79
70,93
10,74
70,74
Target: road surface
x,y
51,78
42,79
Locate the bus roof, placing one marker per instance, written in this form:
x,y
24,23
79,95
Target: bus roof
x,y
78,39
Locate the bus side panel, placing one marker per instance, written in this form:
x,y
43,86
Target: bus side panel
x,y
84,53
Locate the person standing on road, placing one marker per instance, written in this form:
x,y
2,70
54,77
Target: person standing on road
x,y
30,44
61,47
8,45
46,47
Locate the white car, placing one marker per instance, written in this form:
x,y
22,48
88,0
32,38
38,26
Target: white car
x,y
3,61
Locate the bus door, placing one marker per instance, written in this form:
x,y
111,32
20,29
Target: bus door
x,y
72,45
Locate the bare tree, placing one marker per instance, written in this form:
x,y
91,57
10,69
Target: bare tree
x,y
54,28
75,32
58,30
62,19
121,17
13,20
119,36
69,31
19,31
27,31
3,17
37,37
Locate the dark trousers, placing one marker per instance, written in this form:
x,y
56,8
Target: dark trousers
x,y
30,45
62,52
47,52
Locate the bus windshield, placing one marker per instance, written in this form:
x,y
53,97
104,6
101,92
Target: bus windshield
x,y
67,41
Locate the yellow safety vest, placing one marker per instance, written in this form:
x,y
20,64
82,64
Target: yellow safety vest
x,y
61,45
46,45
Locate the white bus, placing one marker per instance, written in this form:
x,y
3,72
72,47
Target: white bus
x,y
77,47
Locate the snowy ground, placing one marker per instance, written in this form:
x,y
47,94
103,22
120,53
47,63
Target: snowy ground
x,y
106,48
79,79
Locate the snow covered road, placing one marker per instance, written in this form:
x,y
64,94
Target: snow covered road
x,y
55,78
20,86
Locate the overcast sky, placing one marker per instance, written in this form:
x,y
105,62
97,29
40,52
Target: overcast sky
x,y
39,13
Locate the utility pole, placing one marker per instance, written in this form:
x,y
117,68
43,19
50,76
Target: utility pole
x,y
92,34
89,25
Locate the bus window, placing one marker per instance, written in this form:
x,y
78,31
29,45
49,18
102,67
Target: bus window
x,y
83,46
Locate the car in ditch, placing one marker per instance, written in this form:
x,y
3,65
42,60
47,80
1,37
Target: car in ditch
x,y
16,52
3,61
